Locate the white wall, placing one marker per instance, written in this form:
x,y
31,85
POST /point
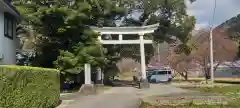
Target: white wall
x,y
1,35
7,46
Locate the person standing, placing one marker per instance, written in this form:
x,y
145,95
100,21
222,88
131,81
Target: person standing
x,y
135,75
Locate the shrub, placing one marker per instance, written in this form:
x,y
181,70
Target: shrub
x,y
29,87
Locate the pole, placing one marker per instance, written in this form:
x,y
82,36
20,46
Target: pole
x,y
87,73
143,63
158,52
211,56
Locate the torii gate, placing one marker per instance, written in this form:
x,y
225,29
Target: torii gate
x,y
120,31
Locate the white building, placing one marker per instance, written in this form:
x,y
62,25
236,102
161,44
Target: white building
x,y
8,40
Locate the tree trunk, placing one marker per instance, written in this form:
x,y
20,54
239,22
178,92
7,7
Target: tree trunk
x,y
186,76
207,74
207,71
113,78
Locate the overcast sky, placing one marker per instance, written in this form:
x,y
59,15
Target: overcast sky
x,y
203,10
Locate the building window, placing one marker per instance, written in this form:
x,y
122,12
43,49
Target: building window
x,y
8,25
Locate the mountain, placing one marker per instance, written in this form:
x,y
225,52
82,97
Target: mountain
x,y
231,27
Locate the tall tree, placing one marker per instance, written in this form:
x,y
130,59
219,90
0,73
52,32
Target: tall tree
x,y
63,25
174,23
224,50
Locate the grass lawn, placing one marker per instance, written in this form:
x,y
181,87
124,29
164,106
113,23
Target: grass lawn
x,y
232,92
217,80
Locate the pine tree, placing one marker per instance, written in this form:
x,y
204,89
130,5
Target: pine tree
x,y
63,32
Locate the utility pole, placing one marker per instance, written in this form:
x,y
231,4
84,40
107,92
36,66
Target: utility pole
x,y
211,55
211,43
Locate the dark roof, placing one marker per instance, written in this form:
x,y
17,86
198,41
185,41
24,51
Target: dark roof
x,y
8,2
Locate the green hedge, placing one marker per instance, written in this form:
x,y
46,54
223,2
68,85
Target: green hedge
x,y
29,87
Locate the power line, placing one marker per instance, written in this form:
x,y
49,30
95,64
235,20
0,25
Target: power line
x,y
214,12
210,23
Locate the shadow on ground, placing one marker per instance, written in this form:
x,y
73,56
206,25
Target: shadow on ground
x,y
125,83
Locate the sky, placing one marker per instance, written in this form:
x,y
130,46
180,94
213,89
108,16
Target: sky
x,y
203,11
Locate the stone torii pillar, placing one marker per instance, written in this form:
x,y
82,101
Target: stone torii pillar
x,y
143,81
87,87
87,74
99,76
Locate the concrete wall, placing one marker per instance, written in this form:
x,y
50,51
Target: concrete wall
x,y
7,45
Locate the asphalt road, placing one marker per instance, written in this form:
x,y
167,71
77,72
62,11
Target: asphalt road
x,y
106,101
120,97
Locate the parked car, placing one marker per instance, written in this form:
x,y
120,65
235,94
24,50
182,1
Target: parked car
x,y
160,76
149,73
